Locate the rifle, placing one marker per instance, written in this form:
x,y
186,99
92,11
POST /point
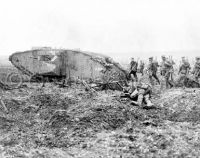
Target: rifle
x,y
196,73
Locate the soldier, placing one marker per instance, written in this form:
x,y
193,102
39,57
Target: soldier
x,y
142,67
183,72
142,93
196,70
166,71
133,70
152,69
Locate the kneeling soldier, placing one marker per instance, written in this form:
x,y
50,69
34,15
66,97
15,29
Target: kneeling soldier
x,y
140,93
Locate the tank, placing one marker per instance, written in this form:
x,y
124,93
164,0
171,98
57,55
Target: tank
x,y
64,63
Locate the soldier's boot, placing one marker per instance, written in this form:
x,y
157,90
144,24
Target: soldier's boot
x,y
139,101
148,101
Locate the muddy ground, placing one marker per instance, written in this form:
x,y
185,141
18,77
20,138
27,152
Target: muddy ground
x,y
55,122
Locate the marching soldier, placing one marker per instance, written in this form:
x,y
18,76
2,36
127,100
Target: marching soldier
x,y
152,70
196,70
166,71
142,67
183,71
133,70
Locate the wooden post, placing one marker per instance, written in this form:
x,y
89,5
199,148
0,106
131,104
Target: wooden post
x,y
1,101
3,104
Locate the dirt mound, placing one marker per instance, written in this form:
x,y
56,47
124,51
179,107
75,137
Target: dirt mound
x,y
71,122
181,105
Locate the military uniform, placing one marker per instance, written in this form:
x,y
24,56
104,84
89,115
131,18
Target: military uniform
x,y
142,68
196,70
166,72
152,69
133,69
183,71
142,93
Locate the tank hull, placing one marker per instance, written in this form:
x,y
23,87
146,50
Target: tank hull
x,y
65,63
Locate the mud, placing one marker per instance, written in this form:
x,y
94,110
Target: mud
x,y
71,122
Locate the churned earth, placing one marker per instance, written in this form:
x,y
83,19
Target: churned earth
x,y
53,122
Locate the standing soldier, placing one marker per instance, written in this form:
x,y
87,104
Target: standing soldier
x,y
133,70
142,67
183,71
166,71
196,70
152,69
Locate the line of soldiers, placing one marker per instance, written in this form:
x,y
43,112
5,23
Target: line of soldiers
x,y
140,91
166,70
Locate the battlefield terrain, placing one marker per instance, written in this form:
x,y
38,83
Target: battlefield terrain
x,y
70,122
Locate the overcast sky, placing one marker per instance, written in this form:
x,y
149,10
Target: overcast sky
x,y
119,28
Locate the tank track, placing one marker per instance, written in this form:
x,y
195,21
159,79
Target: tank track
x,y
21,68
5,86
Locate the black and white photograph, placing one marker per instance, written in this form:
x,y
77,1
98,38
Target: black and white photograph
x,y
99,78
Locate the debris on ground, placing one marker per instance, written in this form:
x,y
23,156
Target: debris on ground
x,y
70,122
